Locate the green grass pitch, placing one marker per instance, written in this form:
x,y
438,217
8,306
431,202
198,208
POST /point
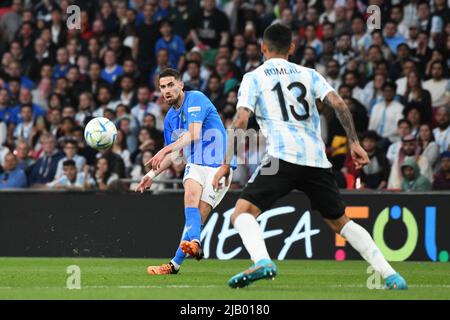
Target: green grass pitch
x,y
45,278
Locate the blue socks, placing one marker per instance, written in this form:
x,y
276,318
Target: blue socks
x,y
180,255
193,229
193,223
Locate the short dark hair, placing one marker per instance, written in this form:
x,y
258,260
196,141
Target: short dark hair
x,y
26,105
71,142
404,121
170,72
69,163
390,84
278,38
371,135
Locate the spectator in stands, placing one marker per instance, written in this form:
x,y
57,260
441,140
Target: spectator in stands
x,y
385,116
115,162
412,179
71,153
408,65
437,85
24,129
416,96
104,101
139,170
378,40
126,92
210,27
12,177
10,22
442,132
104,175
162,63
3,149
332,74
72,178
63,64
412,114
146,143
361,38
22,152
442,177
214,92
428,147
375,175
147,33
404,128
344,50
95,80
130,133
373,92
392,37
409,150
195,82
112,70
144,105
44,169
173,43
85,108
120,148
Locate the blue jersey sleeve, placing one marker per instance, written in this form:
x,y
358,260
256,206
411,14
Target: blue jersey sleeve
x,y
167,133
197,108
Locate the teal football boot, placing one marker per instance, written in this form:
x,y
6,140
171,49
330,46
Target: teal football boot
x,y
396,282
263,269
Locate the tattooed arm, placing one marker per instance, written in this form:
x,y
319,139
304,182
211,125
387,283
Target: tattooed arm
x,y
358,154
334,101
240,121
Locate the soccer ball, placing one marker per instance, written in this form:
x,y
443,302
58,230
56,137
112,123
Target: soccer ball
x,y
100,133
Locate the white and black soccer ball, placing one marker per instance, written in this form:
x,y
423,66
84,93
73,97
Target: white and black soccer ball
x,y
100,133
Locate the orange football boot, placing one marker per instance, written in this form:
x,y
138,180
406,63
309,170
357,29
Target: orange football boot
x,y
192,248
166,268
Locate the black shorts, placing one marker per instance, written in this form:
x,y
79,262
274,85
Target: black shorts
x,y
318,184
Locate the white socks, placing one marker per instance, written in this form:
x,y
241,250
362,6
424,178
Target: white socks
x,y
251,236
176,266
361,240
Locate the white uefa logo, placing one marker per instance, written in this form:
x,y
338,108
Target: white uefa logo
x,y
74,279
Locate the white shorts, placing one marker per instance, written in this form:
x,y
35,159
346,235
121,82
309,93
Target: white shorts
x,y
205,175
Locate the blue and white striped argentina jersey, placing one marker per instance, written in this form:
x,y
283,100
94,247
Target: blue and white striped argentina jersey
x,y
282,95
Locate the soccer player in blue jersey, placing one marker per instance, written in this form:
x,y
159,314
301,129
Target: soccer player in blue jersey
x,y
282,96
192,127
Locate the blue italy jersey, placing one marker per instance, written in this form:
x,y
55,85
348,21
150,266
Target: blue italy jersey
x,y
210,150
282,95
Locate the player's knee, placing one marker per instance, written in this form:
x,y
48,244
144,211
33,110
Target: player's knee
x,y
191,198
338,224
243,206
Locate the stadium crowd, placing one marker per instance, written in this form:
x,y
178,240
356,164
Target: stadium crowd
x,y
395,80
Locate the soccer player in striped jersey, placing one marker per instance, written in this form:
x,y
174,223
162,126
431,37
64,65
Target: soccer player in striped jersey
x,y
282,96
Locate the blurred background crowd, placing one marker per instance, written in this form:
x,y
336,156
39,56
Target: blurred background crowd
x,y
53,80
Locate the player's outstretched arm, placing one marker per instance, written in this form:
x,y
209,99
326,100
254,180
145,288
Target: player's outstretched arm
x,y
147,180
358,154
185,139
240,121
